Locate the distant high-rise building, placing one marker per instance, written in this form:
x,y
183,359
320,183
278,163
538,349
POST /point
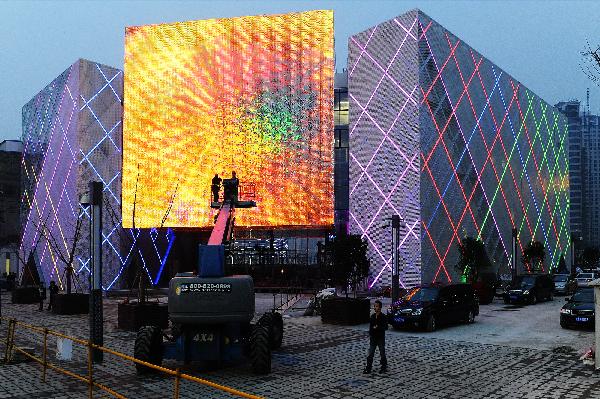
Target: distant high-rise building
x,y
584,172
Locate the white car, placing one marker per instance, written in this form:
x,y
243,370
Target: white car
x,y
584,278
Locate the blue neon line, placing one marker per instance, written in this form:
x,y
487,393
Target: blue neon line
x,y
102,140
105,78
99,123
86,102
164,259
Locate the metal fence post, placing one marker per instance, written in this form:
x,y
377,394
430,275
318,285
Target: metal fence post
x,y
177,382
45,354
10,338
90,376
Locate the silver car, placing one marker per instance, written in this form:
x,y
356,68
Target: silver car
x,y
584,278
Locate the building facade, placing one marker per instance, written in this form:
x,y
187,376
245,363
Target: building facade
x,y
10,197
584,173
456,147
341,154
72,135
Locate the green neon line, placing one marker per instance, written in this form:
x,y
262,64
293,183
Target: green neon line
x,y
502,177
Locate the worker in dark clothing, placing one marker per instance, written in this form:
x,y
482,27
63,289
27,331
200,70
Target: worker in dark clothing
x,y
53,292
236,185
42,295
377,326
216,187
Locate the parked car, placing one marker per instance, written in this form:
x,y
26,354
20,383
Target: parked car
x,y
579,309
530,288
429,307
564,284
584,278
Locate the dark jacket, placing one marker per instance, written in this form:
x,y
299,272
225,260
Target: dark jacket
x,y
380,322
53,288
216,183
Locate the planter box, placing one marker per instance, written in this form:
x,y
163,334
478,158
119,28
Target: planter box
x,y
132,316
71,304
346,311
25,295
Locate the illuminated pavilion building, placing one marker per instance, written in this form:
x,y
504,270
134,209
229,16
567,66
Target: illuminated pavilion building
x,y
455,146
72,134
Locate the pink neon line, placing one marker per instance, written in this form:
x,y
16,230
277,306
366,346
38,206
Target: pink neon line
x,y
385,73
372,181
387,199
385,136
407,31
361,53
380,67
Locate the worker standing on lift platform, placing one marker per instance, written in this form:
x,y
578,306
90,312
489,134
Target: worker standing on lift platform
x,y
230,188
216,187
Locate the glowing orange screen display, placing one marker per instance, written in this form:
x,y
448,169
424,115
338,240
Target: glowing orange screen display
x,y
252,95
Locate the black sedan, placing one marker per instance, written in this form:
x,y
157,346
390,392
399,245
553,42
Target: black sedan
x,y
579,309
428,307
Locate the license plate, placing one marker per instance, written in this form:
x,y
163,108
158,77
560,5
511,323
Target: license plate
x,y
581,319
513,297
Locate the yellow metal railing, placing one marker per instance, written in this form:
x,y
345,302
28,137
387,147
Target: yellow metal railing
x,y
89,379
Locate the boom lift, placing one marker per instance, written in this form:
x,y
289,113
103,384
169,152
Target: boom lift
x,y
211,313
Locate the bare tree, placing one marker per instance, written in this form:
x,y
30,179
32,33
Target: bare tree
x,y
64,252
142,279
591,63
24,255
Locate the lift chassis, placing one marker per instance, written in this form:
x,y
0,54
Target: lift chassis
x,y
211,313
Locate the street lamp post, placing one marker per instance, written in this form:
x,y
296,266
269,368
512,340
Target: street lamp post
x,y
94,200
395,258
514,254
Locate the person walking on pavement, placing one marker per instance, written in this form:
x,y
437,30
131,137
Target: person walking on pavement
x,y
53,292
216,187
377,326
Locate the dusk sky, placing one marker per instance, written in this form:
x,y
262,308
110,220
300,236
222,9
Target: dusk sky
x,y
537,42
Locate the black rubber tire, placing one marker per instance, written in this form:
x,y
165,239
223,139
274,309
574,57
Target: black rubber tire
x,y
148,347
273,322
534,299
277,338
431,324
551,297
563,325
260,350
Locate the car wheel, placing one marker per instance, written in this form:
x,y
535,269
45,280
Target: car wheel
x,y
551,297
563,325
431,324
470,317
534,299
506,301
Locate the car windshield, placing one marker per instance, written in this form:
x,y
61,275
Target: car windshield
x,y
524,281
583,296
421,294
560,278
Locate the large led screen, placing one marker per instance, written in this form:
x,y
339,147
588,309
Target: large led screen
x,y
252,95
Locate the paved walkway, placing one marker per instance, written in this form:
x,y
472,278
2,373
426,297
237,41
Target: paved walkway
x,y
317,361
